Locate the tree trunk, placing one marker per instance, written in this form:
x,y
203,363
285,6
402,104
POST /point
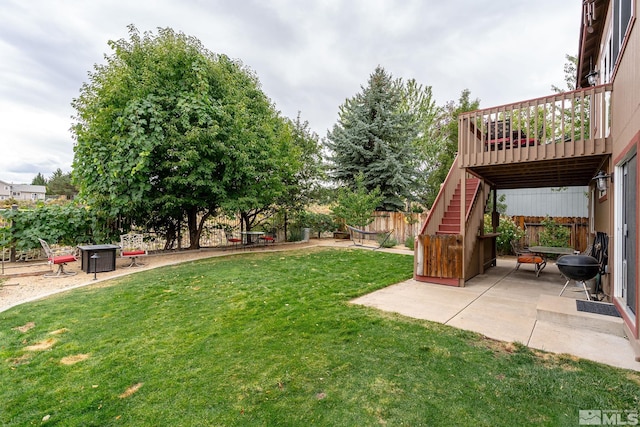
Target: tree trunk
x,y
196,227
194,230
286,224
170,236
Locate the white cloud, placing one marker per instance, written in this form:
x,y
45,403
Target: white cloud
x,y
309,55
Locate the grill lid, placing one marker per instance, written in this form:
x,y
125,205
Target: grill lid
x,y
578,267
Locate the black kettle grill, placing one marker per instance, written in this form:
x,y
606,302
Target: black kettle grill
x,y
579,268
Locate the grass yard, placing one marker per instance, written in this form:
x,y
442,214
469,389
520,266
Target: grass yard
x,y
266,339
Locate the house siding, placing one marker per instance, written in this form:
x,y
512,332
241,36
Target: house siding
x,y
22,191
566,202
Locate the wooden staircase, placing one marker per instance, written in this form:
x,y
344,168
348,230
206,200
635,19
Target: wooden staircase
x,y
450,223
443,248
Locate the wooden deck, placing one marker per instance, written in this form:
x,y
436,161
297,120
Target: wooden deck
x,y
560,140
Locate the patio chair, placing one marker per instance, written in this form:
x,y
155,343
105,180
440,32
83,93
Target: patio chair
x,y
132,246
268,238
59,257
525,256
235,241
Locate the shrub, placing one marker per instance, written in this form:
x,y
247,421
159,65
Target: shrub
x,y
295,234
508,230
68,224
320,222
355,206
389,243
410,242
554,234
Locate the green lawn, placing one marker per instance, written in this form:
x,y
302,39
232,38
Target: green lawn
x,y
270,339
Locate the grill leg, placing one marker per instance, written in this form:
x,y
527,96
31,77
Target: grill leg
x,y
586,291
564,287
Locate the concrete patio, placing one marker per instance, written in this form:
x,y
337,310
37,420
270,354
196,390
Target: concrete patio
x,y
515,306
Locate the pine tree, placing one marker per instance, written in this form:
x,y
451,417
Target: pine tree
x,y
39,180
374,137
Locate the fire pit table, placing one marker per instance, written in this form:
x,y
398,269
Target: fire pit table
x,y
105,261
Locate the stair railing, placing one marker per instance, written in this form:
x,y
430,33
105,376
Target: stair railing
x,y
444,196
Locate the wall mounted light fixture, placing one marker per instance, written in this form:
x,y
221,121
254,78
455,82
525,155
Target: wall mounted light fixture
x,y
592,77
601,180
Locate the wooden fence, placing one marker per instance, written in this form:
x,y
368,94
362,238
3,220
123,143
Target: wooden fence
x,y
579,227
403,225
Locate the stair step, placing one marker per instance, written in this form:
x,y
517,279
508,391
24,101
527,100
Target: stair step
x,y
450,222
563,310
446,232
449,228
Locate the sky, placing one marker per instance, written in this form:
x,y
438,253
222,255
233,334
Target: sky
x,y
309,55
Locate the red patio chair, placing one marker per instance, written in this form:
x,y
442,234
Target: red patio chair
x,y
60,258
268,238
132,247
235,241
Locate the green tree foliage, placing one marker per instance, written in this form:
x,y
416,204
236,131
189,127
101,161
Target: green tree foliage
x,y
554,234
501,205
307,179
39,180
60,184
167,131
570,72
419,104
442,151
375,137
318,222
509,231
65,224
556,122
356,206
302,186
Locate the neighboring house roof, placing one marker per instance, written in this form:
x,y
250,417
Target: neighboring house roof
x,y
9,189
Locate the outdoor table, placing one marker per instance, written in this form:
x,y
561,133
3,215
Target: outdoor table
x,y
106,260
545,250
248,236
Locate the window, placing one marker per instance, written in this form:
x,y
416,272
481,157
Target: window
x,y
621,20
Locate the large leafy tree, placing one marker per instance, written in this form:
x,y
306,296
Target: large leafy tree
x,y
425,116
302,186
374,137
167,131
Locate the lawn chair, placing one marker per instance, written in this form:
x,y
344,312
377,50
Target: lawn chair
x,y
268,238
132,247
525,256
59,257
235,241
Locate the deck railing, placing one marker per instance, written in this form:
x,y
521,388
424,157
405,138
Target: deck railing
x,y
562,125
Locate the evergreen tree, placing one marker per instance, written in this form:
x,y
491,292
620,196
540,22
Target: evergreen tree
x,y
374,136
39,180
60,184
